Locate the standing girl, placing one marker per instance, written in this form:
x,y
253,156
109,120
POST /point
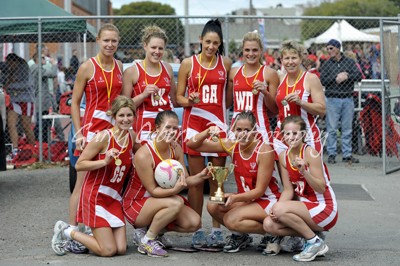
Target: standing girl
x,y
299,93
201,91
99,79
254,86
150,82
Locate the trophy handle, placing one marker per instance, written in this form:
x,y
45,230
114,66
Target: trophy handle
x,y
231,167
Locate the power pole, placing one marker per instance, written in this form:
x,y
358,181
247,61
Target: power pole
x,y
187,39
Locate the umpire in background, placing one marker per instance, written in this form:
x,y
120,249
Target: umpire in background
x,y
338,75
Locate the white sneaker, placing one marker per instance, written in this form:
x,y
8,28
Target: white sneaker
x,y
311,251
273,246
58,241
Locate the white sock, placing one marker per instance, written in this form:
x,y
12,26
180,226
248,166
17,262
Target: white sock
x,y
313,239
67,232
74,227
145,239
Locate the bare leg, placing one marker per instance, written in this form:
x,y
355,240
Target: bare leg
x,y
26,124
195,193
105,242
12,118
74,199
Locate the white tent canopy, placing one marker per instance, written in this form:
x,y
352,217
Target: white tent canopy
x,y
343,32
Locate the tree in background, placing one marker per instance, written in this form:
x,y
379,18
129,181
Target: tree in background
x,y
130,29
354,8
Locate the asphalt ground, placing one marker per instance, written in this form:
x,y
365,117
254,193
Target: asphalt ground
x,y
367,232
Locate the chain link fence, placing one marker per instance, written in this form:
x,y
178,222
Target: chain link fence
x,y
42,134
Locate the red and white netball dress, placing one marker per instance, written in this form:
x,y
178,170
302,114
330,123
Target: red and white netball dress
x,y
245,100
322,206
285,108
146,112
211,110
246,177
100,203
136,194
101,90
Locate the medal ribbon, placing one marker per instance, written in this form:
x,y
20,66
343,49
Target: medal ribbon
x,y
109,88
145,73
255,77
125,146
205,74
294,86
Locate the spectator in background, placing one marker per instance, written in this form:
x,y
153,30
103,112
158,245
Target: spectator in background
x,y
20,88
46,97
338,75
74,61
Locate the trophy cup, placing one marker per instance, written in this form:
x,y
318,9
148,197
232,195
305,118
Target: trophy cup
x,y
220,173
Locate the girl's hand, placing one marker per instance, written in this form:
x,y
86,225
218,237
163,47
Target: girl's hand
x,y
293,97
205,173
231,198
150,89
260,86
299,163
273,217
213,131
192,96
80,141
110,155
180,184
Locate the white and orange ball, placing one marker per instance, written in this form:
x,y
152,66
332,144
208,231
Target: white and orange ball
x,y
167,173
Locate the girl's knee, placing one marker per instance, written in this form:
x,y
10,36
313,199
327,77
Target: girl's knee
x,y
108,251
268,225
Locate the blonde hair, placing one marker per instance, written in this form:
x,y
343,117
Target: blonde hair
x,y
107,27
291,46
254,36
121,102
153,31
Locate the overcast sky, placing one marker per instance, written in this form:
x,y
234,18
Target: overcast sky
x,y
217,7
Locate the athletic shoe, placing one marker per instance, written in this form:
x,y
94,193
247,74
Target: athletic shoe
x,y
311,251
273,246
138,234
152,248
350,159
292,244
58,240
199,240
165,241
76,247
263,243
236,242
88,231
215,240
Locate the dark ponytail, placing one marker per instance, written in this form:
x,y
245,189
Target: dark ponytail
x,y
214,25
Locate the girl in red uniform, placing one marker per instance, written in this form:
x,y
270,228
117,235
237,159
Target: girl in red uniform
x,y
308,203
150,82
147,205
299,93
201,91
257,187
99,79
107,161
253,86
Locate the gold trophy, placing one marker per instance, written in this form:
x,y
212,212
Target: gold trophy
x,y
220,173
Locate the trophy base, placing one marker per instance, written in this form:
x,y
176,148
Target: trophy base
x,y
217,200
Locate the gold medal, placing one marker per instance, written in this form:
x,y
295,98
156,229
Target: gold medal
x,y
156,96
215,138
109,113
196,99
118,161
284,102
254,91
